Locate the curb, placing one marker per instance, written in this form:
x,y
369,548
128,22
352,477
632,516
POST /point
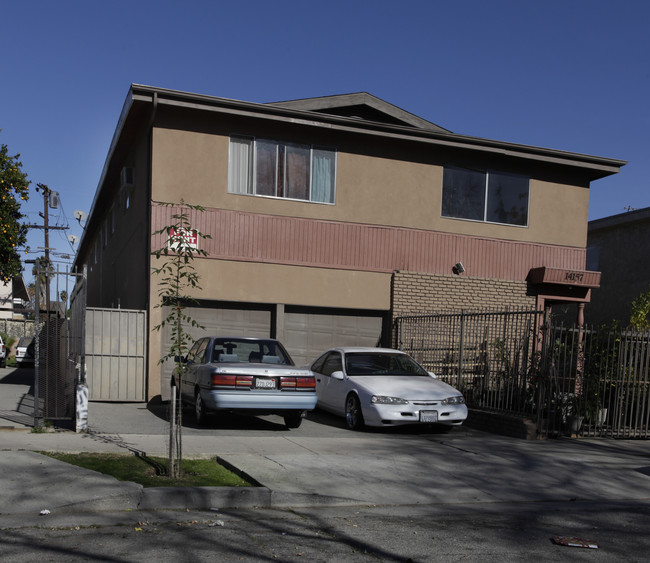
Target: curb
x,y
199,498
203,498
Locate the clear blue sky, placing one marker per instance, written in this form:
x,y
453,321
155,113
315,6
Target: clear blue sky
x,y
564,74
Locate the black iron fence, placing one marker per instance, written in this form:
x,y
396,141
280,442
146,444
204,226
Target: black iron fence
x,y
594,382
568,380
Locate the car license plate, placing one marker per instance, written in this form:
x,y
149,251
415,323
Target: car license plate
x,y
428,416
264,383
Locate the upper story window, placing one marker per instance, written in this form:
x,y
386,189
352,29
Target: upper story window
x,y
493,197
276,169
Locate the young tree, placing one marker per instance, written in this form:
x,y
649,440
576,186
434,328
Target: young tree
x,y
177,276
640,313
13,234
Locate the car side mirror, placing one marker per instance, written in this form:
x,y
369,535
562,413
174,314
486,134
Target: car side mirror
x,y
337,375
433,375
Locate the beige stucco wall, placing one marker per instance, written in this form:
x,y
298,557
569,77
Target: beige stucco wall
x,y
254,282
294,285
194,166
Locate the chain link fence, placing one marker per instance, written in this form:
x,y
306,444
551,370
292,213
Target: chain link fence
x,y
58,363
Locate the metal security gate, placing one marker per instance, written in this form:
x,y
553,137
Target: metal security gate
x,y
488,356
58,343
595,382
569,381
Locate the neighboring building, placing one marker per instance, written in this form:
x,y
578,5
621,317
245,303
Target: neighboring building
x,y
13,298
331,216
618,247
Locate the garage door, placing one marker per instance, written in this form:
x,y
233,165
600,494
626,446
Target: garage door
x,y
308,333
219,320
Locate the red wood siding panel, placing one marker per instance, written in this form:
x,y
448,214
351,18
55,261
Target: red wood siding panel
x,y
324,244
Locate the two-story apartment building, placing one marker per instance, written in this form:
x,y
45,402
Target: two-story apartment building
x,y
331,216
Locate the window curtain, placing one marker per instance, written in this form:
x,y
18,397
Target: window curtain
x,y
240,166
322,188
266,167
297,172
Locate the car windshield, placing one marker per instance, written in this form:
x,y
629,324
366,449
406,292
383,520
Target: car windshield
x,y
250,351
382,363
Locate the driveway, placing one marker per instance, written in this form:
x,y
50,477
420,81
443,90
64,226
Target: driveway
x,y
395,466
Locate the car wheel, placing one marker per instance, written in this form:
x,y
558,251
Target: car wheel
x,y
293,420
3,363
353,414
199,409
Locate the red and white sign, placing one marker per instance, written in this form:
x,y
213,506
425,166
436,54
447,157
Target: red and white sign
x,y
183,237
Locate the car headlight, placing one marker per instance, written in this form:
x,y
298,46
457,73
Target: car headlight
x,y
383,400
457,400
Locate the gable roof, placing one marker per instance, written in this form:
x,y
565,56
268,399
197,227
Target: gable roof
x,y
361,105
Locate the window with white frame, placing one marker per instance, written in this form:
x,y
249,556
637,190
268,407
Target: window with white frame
x,y
276,169
489,196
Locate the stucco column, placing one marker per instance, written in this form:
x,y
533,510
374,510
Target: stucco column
x,y
279,322
580,319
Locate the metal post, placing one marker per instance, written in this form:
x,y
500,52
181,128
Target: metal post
x,y
172,431
460,351
37,346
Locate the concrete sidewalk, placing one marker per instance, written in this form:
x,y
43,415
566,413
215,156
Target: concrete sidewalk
x,y
316,464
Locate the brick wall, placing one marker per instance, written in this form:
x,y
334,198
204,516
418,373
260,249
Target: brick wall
x,y
501,423
419,293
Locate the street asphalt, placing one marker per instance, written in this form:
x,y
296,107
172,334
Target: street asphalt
x,y
319,464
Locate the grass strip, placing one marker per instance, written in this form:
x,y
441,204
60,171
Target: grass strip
x,y
152,471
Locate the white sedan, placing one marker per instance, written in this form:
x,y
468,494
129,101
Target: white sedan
x,y
384,387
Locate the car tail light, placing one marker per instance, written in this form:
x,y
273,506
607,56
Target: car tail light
x,y
223,380
300,383
306,383
244,381
287,383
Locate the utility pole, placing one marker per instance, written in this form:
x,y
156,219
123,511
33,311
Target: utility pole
x,y
47,192
46,202
46,272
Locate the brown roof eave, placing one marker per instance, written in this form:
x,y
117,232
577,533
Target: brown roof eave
x,y
599,166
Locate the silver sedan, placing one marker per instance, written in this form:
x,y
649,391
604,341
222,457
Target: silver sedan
x,y
384,387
